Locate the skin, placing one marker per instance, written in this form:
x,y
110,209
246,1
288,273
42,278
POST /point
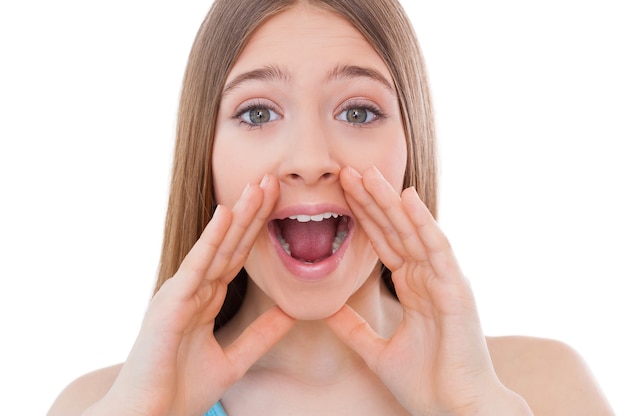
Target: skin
x,y
339,344
306,146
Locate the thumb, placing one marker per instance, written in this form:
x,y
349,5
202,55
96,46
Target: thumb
x,y
258,338
356,333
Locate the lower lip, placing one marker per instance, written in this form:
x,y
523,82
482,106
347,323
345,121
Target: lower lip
x,y
310,272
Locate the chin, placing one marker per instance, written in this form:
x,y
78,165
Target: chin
x,y
305,302
310,312
310,291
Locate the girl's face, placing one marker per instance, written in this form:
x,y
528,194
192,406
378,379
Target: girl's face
x,y
308,96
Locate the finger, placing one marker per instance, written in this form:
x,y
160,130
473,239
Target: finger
x,y
391,204
257,339
243,213
355,186
195,264
269,186
371,219
437,245
211,254
356,333
385,252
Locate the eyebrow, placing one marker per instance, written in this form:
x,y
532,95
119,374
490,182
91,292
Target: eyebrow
x,y
267,73
274,73
353,71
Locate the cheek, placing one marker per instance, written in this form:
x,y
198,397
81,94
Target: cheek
x,y
229,172
393,166
233,167
389,156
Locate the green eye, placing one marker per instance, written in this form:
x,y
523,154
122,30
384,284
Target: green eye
x,y
257,115
356,115
359,115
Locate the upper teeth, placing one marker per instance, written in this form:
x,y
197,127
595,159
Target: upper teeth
x,y
318,217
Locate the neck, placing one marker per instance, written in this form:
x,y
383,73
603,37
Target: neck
x,y
311,352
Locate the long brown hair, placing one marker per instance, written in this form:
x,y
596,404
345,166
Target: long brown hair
x,y
221,38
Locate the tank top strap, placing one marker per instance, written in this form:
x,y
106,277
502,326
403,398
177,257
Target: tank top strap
x,y
216,410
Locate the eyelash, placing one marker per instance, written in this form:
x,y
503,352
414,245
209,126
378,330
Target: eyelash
x,y
350,105
256,105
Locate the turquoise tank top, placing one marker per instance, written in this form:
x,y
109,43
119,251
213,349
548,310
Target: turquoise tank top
x,y
216,410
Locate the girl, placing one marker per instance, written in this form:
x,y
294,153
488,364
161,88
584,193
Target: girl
x,y
303,271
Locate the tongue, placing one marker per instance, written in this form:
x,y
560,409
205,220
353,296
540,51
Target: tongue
x,y
309,241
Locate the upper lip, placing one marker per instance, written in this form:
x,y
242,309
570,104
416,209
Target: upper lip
x,y
309,209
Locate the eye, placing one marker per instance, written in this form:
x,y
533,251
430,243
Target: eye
x,y
359,114
256,115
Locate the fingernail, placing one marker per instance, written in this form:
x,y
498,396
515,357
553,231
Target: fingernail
x,y
245,190
353,172
265,181
376,171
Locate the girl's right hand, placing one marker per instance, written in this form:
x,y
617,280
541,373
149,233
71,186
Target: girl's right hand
x,y
176,366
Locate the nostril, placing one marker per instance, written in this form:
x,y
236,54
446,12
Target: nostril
x,y
324,176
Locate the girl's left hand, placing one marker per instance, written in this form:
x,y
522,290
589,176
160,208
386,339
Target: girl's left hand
x,y
437,361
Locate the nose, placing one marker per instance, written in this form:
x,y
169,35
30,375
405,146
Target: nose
x,y
309,156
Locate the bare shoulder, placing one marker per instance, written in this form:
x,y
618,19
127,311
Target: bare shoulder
x,y
84,391
550,375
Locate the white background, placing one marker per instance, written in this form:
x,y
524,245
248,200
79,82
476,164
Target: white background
x,y
530,104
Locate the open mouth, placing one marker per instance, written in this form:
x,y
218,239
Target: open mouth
x,y
312,238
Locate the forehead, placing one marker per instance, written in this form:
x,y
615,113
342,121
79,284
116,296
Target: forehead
x,y
307,37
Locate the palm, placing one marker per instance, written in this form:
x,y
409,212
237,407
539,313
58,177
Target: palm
x,y
176,365
437,358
